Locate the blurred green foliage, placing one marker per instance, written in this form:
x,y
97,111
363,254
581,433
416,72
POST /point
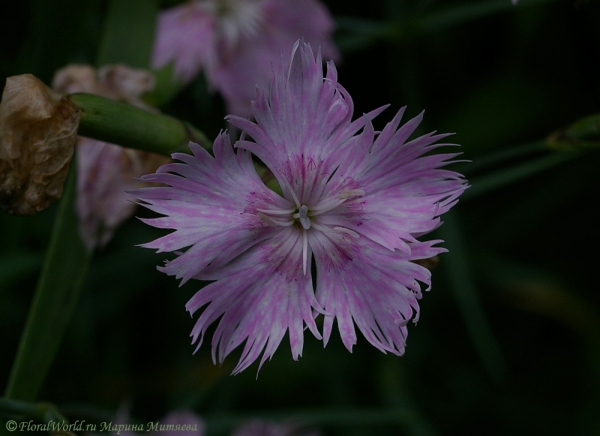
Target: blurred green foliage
x,y
509,337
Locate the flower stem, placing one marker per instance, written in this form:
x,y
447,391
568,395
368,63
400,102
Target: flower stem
x,y
56,295
129,126
498,179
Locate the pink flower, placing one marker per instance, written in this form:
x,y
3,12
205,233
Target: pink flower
x,y
353,202
236,41
105,171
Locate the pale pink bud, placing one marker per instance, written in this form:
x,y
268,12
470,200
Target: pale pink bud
x,y
105,171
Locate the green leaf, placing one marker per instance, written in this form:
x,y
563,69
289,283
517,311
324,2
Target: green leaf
x,y
458,270
128,33
359,33
57,293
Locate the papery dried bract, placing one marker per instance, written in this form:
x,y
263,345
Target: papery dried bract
x,y
38,130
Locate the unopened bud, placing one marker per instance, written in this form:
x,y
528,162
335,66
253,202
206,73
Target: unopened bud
x,y
38,130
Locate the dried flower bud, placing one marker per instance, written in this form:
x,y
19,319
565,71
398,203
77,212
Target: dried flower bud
x,y
76,78
126,84
38,130
117,82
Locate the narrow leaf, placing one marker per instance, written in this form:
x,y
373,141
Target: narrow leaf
x,y
128,33
457,268
57,293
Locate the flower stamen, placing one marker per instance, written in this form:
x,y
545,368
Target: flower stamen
x,y
273,222
302,215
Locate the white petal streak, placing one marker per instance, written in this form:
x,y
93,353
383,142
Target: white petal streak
x,y
377,289
212,203
304,115
405,192
258,312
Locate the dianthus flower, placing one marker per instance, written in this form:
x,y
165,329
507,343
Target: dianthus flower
x,y
235,41
353,203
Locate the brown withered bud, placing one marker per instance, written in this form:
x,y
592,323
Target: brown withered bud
x,y
38,130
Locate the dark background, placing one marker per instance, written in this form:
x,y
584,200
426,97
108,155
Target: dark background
x,y
509,336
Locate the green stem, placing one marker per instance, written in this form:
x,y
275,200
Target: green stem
x,y
451,16
360,32
129,126
56,295
486,162
490,182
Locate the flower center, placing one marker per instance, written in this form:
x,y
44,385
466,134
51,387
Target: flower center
x,y
302,216
288,217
